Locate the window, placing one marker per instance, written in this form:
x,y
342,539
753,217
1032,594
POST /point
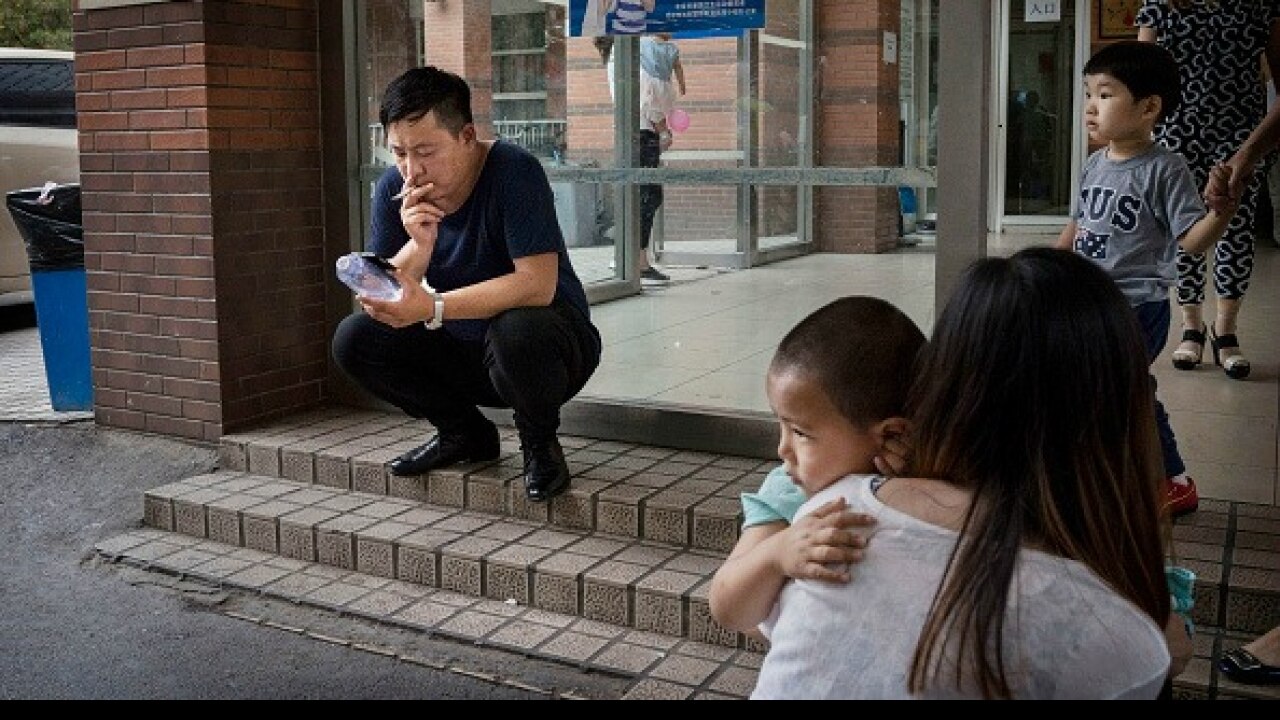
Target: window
x,y
37,92
520,107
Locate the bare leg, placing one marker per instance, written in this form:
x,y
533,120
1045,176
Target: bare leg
x,y
1267,647
1190,350
1230,356
1228,316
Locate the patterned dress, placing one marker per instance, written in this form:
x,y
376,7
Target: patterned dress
x,y
1219,46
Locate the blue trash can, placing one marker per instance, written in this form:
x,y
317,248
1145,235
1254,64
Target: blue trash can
x,y
49,221
907,207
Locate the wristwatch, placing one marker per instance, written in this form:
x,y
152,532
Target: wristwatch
x,y
437,314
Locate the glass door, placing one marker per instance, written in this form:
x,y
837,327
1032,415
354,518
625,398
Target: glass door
x,y
765,122
1038,117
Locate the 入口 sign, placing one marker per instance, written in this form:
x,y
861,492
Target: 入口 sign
x,y
1046,11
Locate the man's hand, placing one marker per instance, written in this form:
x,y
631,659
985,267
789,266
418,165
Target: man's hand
x,y
420,216
822,545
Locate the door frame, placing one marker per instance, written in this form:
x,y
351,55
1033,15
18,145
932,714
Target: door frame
x,y
1001,223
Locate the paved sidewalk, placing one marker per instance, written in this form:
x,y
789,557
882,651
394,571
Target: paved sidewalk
x,y
25,393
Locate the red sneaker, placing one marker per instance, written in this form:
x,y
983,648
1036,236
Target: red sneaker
x,y
1183,498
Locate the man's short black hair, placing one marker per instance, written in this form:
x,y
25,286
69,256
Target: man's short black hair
x,y
419,91
1144,67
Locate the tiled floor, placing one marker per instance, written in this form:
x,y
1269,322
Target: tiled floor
x,y
706,340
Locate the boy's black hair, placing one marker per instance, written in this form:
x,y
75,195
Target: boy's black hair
x,y
1144,67
861,352
418,91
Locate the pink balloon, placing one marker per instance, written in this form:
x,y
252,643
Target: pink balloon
x,y
678,120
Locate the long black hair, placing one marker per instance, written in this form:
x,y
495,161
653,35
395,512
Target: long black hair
x,y
1034,394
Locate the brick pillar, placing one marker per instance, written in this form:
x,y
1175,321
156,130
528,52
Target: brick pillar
x,y
459,38
201,183
390,38
856,123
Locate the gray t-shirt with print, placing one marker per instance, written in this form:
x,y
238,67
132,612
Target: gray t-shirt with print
x,y
1130,216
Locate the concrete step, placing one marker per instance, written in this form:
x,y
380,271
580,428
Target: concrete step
x,y
629,549
624,581
334,606
679,497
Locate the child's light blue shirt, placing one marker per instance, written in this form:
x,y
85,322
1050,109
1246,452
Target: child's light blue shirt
x,y
778,499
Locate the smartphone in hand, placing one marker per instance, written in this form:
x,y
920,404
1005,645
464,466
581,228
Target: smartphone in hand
x,y
369,275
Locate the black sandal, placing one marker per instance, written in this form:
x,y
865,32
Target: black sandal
x,y
1235,366
1184,359
1241,666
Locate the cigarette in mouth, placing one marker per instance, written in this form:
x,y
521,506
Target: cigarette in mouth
x,y
403,191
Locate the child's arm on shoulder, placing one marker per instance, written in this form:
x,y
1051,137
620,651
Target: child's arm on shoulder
x,y
745,587
819,547
1067,237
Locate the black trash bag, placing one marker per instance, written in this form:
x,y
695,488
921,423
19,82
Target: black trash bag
x,y
50,223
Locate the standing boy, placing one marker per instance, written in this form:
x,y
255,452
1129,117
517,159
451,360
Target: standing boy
x,y
1138,203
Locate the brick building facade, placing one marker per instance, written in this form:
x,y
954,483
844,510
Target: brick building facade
x,y
216,191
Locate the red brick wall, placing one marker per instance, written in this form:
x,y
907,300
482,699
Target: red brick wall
x,y
390,44
459,38
200,157
857,123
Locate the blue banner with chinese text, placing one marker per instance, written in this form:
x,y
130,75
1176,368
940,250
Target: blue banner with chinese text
x,y
681,18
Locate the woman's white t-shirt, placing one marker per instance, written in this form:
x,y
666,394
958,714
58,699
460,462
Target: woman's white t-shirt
x,y
1068,635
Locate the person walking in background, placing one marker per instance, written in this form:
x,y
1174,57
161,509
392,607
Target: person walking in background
x,y
838,386
500,318
1022,555
1219,46
662,58
1139,205
659,66
661,82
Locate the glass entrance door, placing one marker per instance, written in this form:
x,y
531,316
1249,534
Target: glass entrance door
x,y
1039,120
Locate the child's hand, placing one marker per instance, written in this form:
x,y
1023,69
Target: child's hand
x,y
822,545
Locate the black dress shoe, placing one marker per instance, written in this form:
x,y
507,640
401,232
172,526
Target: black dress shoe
x,y
443,451
546,474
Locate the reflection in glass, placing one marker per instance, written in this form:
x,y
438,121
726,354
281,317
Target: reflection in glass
x,y
1039,121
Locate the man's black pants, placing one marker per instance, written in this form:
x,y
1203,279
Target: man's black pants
x,y
532,360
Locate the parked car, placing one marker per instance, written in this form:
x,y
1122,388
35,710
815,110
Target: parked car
x,y
38,144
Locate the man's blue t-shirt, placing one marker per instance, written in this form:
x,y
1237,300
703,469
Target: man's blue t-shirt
x,y
510,214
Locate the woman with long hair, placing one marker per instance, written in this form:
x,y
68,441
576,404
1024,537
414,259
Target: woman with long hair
x,y
1024,556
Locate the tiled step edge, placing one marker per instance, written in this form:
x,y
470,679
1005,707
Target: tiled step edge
x,y
610,579
1234,549
650,493
662,666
